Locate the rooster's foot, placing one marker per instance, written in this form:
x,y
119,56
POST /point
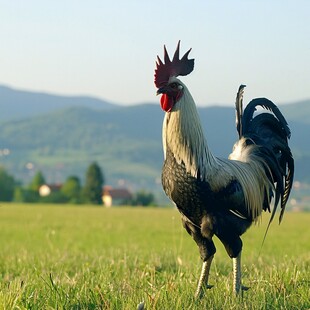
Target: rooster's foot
x,y
240,290
203,280
199,293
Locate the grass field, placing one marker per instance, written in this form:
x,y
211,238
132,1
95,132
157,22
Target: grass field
x,y
73,257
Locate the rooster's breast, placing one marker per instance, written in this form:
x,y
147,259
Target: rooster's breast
x,y
189,193
195,198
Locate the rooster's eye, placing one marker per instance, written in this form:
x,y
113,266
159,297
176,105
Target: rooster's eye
x,y
174,85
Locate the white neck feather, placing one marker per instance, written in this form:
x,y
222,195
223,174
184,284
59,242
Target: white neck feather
x,y
183,135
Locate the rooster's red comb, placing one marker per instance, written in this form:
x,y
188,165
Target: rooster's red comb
x,y
170,68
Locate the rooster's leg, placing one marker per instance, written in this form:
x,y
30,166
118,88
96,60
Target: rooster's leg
x,y
206,250
237,275
204,276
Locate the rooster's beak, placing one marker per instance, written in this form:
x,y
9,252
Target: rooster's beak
x,y
161,90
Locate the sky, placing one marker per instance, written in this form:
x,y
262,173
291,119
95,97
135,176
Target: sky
x,y
107,49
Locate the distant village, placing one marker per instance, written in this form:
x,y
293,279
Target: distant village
x,y
300,200
94,191
110,196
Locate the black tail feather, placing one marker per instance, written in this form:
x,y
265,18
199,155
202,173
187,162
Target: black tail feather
x,y
288,184
269,130
239,109
268,105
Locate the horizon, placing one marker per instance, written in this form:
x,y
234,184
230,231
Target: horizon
x,y
120,104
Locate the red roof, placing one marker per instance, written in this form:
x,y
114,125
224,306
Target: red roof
x,y
117,193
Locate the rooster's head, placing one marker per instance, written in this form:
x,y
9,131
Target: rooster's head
x,y
165,77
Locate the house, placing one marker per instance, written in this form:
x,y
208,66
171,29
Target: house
x,y
47,189
115,196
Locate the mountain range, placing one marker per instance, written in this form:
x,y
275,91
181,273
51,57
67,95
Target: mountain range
x,y
16,104
62,135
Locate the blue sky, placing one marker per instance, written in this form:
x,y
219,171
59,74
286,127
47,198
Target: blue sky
x,y
107,49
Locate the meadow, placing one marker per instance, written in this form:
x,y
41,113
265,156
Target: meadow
x,y
87,257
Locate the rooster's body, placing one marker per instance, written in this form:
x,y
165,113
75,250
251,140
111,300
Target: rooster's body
x,y
216,196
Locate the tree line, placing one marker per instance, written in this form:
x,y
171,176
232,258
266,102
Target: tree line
x,y
71,191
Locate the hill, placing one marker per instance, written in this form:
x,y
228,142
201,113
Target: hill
x,y
125,141
299,111
17,104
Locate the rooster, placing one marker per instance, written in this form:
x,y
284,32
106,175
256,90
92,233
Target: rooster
x,y
218,196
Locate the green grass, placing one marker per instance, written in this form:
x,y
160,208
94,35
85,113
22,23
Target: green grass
x,y
68,257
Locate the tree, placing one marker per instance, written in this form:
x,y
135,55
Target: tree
x,y
72,189
37,181
143,198
92,191
7,186
31,194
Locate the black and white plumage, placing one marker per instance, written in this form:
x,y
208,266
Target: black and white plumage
x,y
217,196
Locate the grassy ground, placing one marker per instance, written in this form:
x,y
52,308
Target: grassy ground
x,y
68,257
